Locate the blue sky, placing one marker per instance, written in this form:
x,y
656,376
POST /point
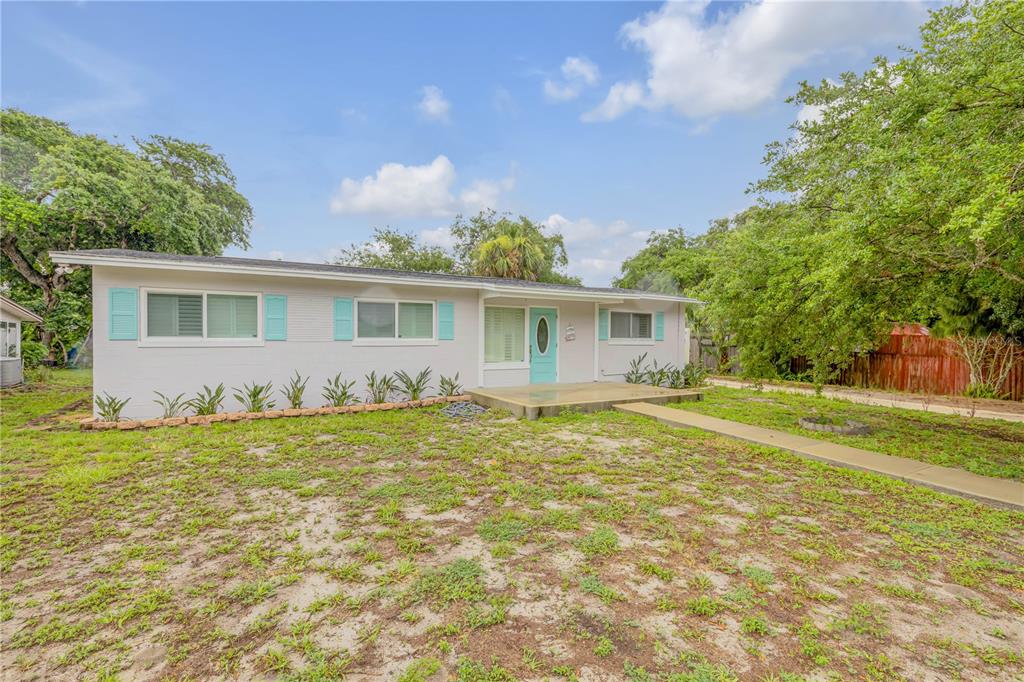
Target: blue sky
x,y
605,120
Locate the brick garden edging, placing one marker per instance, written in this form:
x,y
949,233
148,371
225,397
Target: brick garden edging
x,y
93,424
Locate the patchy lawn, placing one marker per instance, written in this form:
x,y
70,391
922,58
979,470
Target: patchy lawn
x,y
989,447
404,545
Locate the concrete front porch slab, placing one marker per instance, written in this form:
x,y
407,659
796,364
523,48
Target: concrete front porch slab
x,y
547,400
998,491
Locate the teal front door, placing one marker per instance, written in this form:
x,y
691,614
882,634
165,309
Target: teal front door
x,y
543,345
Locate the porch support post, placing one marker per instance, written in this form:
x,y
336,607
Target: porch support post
x,y
597,347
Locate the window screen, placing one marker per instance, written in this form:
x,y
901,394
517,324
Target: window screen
x,y
504,334
174,314
231,317
375,320
415,321
630,325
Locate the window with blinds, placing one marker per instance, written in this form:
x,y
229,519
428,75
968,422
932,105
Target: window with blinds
x,y
415,321
174,314
630,325
504,334
171,315
231,317
394,320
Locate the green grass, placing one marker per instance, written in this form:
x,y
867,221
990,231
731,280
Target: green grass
x,y
488,549
989,447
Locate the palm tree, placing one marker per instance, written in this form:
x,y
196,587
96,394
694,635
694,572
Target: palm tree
x,y
514,252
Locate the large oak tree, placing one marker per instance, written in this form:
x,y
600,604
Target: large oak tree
x,y
60,190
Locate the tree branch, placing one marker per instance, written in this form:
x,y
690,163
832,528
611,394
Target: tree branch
x,y
23,266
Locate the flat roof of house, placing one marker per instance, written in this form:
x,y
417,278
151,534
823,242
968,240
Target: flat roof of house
x,y
260,266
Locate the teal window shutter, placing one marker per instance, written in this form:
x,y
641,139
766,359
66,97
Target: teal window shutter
x,y
659,326
446,321
124,314
275,318
343,319
602,325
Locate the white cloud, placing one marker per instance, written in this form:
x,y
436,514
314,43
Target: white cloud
x,y
810,113
585,229
577,73
432,105
621,98
399,190
439,236
416,191
596,250
481,194
740,60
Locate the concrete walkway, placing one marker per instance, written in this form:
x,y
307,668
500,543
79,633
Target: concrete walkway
x,y
998,491
1013,412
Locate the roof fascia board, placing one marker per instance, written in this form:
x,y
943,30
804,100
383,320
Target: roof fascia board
x,y
492,292
16,310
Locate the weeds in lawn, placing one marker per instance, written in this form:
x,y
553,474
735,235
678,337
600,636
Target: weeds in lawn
x,y
603,541
266,548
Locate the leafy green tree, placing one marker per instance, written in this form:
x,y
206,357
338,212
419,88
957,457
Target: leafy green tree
x,y
672,262
395,250
60,190
471,233
487,244
902,202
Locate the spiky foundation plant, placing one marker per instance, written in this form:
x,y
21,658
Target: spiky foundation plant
x,y
637,370
208,401
339,393
657,376
109,407
171,407
379,389
449,386
294,389
413,387
255,397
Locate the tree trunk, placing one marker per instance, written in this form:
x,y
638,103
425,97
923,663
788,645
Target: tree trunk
x,y
50,284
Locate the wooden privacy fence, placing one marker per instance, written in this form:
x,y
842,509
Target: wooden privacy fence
x,y
911,360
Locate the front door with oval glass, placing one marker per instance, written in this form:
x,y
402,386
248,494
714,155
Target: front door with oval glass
x,y
543,345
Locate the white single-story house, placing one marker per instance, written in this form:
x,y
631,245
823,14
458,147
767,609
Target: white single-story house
x,y
12,316
173,323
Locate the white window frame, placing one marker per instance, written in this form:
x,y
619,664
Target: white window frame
x,y
147,341
394,340
525,364
620,341
17,340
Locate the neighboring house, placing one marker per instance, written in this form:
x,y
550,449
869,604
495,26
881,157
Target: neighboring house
x,y
173,323
12,316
